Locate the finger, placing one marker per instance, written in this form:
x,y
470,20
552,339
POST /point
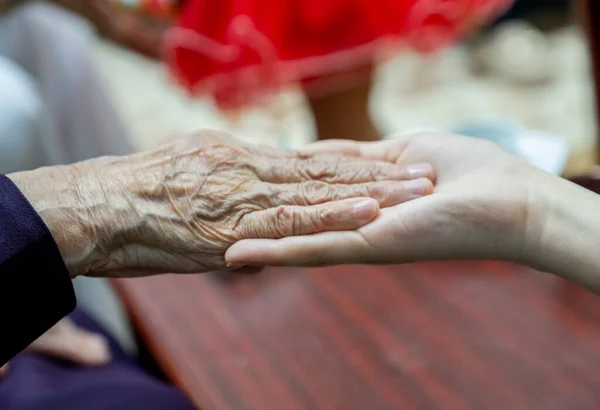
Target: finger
x,y
338,169
3,370
89,349
345,147
285,221
324,249
386,193
74,345
388,150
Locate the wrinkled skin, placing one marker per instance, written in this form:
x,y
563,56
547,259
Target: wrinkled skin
x,y
67,341
179,207
484,206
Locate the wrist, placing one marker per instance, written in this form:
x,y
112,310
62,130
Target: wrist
x,y
61,196
566,243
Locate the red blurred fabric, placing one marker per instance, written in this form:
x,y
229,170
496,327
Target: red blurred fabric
x,y
239,50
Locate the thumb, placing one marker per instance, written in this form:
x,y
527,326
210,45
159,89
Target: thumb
x,y
324,249
3,370
284,221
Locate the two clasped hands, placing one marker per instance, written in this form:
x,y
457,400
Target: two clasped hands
x,y
209,202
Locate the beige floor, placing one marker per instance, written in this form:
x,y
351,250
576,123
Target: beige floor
x,y
411,93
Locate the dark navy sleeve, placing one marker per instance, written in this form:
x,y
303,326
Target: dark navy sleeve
x,y
35,287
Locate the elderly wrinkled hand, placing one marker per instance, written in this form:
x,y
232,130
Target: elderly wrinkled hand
x,y
179,207
67,341
487,204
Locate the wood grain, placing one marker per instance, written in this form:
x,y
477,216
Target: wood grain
x,y
425,336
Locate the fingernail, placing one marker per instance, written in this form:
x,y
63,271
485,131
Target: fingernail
x,y
419,170
365,209
417,186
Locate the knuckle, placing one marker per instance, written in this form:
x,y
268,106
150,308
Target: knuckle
x,y
226,154
375,172
315,192
298,169
228,160
325,218
210,157
354,170
378,191
292,222
298,224
257,196
321,168
284,221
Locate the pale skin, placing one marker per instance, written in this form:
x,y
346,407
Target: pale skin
x,y
179,207
487,204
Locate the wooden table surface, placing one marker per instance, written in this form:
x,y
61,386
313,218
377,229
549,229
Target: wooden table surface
x,y
446,336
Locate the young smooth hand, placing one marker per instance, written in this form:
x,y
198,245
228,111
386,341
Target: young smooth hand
x,y
487,204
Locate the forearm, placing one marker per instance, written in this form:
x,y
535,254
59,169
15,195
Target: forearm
x,y
105,214
569,244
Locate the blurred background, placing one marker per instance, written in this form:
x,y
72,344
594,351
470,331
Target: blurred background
x,y
531,67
